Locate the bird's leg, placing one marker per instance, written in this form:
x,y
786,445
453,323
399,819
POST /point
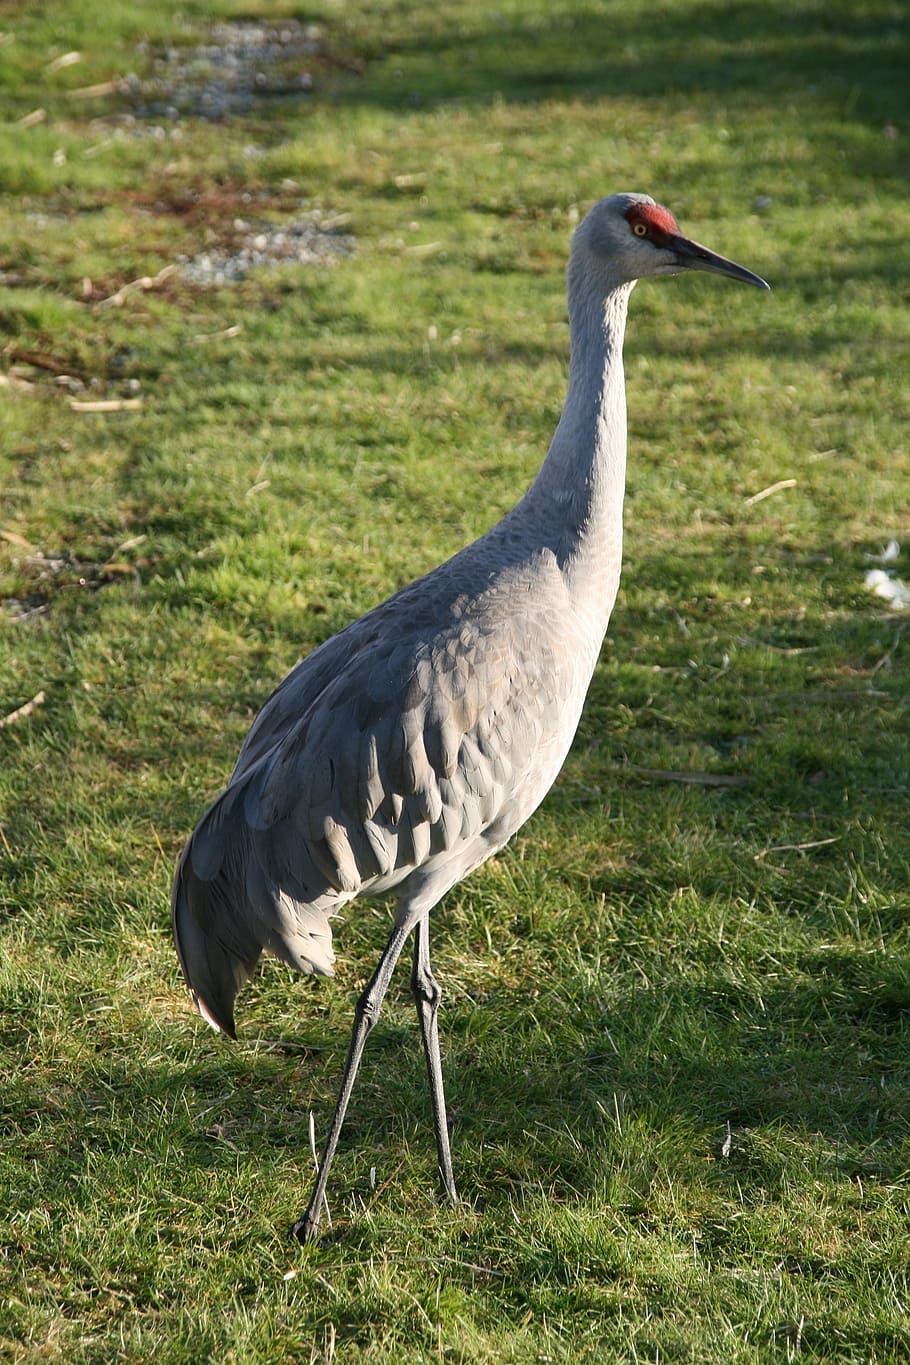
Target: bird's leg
x,y
366,1012
427,995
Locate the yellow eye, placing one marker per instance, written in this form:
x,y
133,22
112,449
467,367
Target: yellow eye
x,y
639,229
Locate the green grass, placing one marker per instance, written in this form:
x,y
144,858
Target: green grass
x,y
676,1016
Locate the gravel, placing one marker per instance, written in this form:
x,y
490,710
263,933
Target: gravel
x,y
235,65
309,239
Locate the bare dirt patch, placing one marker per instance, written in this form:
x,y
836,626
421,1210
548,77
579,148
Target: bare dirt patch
x,y
50,572
236,65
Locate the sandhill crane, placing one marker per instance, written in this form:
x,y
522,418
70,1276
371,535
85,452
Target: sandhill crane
x,y
407,749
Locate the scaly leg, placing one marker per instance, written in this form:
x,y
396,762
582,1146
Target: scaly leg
x,y
427,995
366,1012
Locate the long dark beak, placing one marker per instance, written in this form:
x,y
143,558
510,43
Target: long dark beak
x,y
692,256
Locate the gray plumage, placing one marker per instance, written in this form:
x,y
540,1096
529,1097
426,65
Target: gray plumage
x,y
407,749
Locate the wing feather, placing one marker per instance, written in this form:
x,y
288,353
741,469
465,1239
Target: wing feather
x,y
399,742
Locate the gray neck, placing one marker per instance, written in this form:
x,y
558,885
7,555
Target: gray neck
x,y
577,497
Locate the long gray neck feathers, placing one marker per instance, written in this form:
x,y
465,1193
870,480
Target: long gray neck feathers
x,y
577,496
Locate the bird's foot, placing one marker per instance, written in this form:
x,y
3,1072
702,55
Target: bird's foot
x,y
306,1229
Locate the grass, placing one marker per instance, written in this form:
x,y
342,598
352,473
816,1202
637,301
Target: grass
x,y
676,1015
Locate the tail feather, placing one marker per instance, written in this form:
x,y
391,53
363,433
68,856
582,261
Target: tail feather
x,y
226,909
215,964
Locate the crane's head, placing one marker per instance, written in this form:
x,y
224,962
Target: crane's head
x,y
629,236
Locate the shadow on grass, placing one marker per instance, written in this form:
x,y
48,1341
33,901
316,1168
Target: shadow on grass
x,y
726,50
812,1069
817,1057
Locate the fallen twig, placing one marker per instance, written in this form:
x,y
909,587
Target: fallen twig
x,y
794,848
769,491
105,404
31,120
144,283
14,538
695,778
59,63
834,694
95,92
24,710
776,649
285,1045
201,337
424,249
41,360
